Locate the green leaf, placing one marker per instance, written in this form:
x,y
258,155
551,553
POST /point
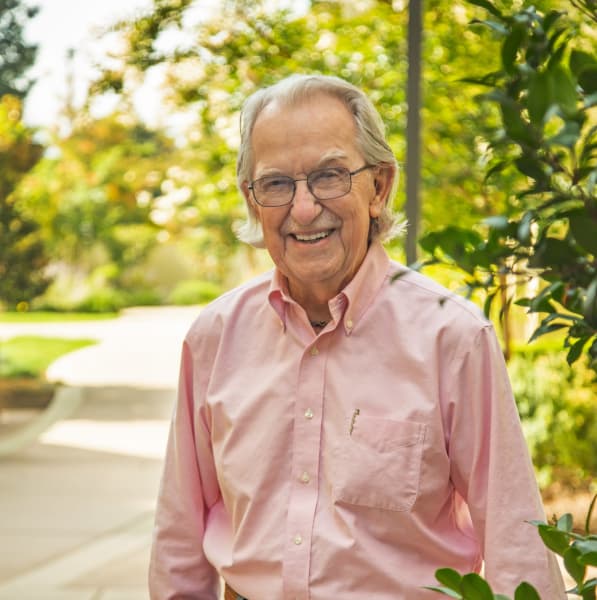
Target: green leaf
x,y
576,570
556,540
443,590
564,90
524,228
584,230
552,252
488,6
449,577
496,168
511,46
588,80
498,27
539,97
551,18
580,61
515,125
589,559
474,587
531,167
564,523
590,100
525,591
590,511
575,351
499,222
545,329
488,302
586,547
567,136
590,304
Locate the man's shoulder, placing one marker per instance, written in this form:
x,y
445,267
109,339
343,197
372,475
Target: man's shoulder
x,y
245,297
420,293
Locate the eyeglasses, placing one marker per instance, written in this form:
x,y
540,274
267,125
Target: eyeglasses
x,y
324,184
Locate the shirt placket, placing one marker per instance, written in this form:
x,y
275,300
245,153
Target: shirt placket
x,y
306,448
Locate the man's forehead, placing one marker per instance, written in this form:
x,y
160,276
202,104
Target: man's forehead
x,y
319,101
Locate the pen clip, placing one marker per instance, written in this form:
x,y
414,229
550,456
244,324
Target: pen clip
x,y
355,414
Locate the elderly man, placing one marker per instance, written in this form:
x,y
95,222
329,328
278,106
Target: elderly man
x,y
340,432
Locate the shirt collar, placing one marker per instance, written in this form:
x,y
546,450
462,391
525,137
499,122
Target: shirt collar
x,y
352,302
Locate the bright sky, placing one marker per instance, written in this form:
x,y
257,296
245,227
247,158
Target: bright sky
x,y
60,25
64,24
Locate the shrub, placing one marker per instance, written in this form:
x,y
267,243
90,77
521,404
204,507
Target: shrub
x,y
102,300
194,291
557,408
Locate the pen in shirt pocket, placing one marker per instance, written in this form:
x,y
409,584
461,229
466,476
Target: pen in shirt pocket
x,y
355,414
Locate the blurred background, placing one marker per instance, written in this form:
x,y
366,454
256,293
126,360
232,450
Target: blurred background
x,y
118,138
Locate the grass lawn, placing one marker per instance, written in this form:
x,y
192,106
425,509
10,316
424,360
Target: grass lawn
x,y
49,317
30,356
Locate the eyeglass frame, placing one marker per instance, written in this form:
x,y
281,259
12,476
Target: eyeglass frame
x,y
251,185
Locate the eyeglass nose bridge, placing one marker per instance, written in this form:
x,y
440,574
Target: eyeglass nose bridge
x,y
294,188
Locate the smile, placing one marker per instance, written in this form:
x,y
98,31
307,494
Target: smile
x,y
314,237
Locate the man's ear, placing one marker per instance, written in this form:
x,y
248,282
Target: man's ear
x,y
383,179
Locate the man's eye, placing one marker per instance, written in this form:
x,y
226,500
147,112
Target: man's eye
x,y
273,184
326,176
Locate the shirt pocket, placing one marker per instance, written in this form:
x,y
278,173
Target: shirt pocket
x,y
379,464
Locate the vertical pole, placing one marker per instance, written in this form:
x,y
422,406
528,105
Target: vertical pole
x,y
413,127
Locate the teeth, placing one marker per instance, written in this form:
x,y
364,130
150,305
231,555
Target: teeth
x,y
313,237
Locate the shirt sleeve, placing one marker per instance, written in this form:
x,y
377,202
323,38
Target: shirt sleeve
x,y
178,566
491,469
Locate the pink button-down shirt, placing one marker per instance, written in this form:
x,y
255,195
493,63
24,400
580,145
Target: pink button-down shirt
x,y
348,464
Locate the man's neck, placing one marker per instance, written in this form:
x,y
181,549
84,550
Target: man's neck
x,y
315,302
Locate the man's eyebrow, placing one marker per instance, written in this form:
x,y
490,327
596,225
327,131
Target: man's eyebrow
x,y
331,156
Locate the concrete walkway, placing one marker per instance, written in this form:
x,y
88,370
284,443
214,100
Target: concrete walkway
x,y
76,505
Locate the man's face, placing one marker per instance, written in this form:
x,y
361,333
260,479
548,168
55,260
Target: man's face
x,y
318,245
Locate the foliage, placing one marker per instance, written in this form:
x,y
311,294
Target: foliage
x,y
557,408
30,356
16,56
194,292
578,551
229,54
94,196
23,259
546,91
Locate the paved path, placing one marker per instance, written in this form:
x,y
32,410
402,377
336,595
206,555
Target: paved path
x,y
141,347
76,506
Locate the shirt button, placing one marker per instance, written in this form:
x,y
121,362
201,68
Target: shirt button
x,y
305,477
298,539
314,351
308,414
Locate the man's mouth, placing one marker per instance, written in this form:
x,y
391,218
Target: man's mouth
x,y
311,238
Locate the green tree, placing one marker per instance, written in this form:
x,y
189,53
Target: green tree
x,y
22,257
16,56
545,149
95,196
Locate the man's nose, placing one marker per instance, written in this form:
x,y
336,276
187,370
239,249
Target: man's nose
x,y
305,207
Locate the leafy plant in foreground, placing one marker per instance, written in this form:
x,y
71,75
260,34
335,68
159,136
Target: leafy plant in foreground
x,y
546,94
579,551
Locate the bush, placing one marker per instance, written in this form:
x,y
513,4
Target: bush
x,y
194,291
557,408
102,300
